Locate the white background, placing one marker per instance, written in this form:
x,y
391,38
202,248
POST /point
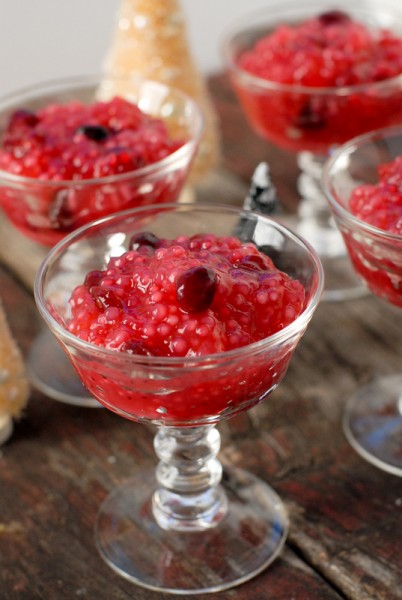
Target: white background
x,y
46,39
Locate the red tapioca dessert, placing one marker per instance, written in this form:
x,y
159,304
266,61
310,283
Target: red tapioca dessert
x,y
181,328
311,81
188,297
380,205
69,155
363,183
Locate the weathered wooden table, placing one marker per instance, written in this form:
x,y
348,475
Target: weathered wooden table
x,y
346,515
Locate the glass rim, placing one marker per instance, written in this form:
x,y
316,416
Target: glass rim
x,y
339,154
206,360
254,18
149,170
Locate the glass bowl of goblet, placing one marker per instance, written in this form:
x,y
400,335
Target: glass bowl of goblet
x,y
188,527
360,181
47,209
309,120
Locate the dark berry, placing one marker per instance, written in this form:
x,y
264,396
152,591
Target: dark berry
x,y
333,17
146,238
105,298
135,347
97,133
195,289
93,278
23,118
253,262
309,118
60,214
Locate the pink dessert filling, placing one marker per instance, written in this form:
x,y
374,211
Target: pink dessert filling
x,y
330,50
325,53
79,141
184,297
188,297
380,205
73,143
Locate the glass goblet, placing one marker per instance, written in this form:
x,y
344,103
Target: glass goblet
x,y
47,210
311,121
373,418
186,528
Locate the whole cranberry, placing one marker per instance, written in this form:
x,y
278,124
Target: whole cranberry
x,y
96,133
135,347
105,298
195,289
333,17
146,238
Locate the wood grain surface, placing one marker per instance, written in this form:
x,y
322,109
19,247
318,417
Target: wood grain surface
x,y
345,515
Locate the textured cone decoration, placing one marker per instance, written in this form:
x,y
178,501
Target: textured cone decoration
x,y
151,40
14,386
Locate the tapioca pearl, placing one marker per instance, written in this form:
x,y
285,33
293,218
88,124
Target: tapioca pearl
x,y
83,315
160,254
183,240
144,279
245,318
234,340
117,338
261,297
289,314
111,314
178,346
203,331
164,330
239,300
172,320
108,281
156,296
204,242
191,325
149,329
159,312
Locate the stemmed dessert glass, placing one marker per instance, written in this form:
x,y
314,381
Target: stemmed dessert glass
x,y
189,527
312,121
373,418
47,210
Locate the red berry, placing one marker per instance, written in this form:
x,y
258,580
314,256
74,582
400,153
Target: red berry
x,y
195,289
145,238
135,347
97,133
253,262
333,17
93,278
309,118
22,118
105,298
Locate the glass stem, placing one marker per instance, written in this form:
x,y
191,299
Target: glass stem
x,y
316,222
309,181
189,496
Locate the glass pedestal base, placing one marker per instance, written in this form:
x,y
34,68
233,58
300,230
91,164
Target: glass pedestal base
x,y
373,423
248,538
50,371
